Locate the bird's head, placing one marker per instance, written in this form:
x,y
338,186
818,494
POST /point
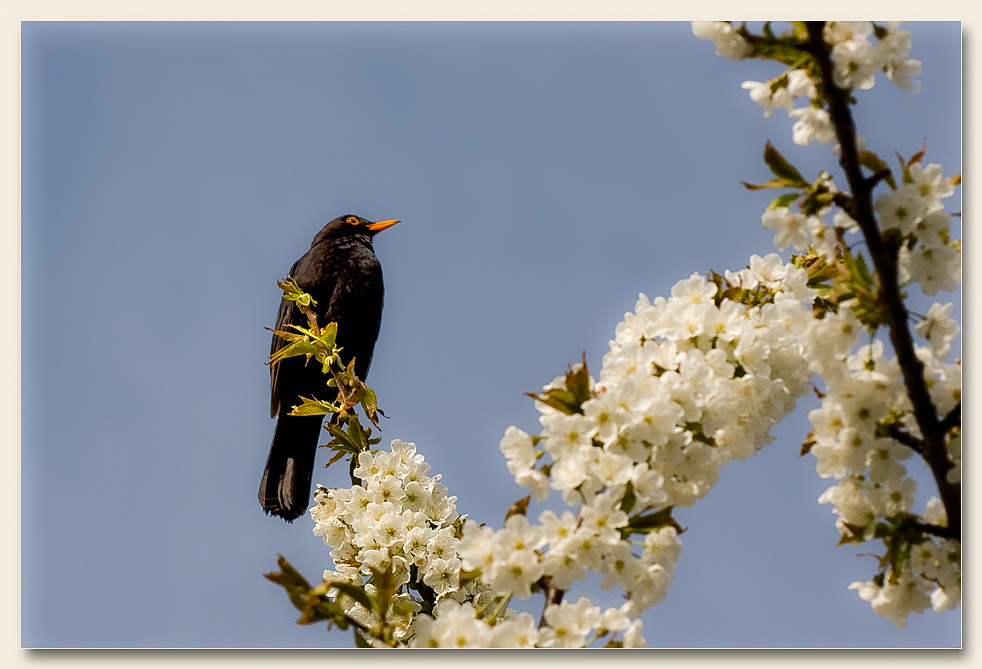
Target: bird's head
x,y
350,225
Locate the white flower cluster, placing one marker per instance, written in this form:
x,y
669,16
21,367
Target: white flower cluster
x,y
929,256
855,64
568,625
864,390
916,212
688,385
400,518
856,61
795,229
935,566
865,393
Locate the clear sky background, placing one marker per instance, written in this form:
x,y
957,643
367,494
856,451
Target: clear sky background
x,y
545,174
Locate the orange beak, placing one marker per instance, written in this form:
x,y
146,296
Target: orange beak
x,y
381,225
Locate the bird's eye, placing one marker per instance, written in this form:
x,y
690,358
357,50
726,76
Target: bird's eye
x,y
352,219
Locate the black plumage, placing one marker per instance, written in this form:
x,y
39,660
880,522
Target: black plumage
x,y
341,272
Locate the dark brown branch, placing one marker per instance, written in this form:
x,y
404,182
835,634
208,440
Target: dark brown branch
x,y
553,596
884,259
937,530
872,181
953,419
906,438
425,591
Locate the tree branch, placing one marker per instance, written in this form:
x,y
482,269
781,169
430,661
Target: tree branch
x,y
938,530
553,595
877,178
953,419
885,261
906,438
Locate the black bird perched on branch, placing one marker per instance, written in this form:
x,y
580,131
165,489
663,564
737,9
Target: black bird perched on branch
x,y
341,272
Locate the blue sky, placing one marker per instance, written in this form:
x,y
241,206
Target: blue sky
x,y
545,174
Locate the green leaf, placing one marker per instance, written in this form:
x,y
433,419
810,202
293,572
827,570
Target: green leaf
x,y
312,603
863,270
288,336
312,407
629,498
293,350
783,201
319,607
353,440
519,508
905,165
559,399
354,396
385,588
342,441
369,402
355,434
781,168
784,50
293,292
877,165
578,382
806,445
292,581
653,521
917,157
329,335
816,201
337,456
467,576
307,332
356,593
772,183
851,534
569,399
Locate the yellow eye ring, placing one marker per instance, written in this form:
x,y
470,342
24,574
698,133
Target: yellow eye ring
x,y
353,220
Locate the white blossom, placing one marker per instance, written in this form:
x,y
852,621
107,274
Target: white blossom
x,y
769,96
937,268
812,124
901,209
790,226
893,53
896,601
939,328
727,41
929,181
855,64
800,85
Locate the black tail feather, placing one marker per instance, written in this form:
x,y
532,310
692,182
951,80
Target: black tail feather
x,y
285,488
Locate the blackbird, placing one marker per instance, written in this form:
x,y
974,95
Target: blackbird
x,y
341,272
